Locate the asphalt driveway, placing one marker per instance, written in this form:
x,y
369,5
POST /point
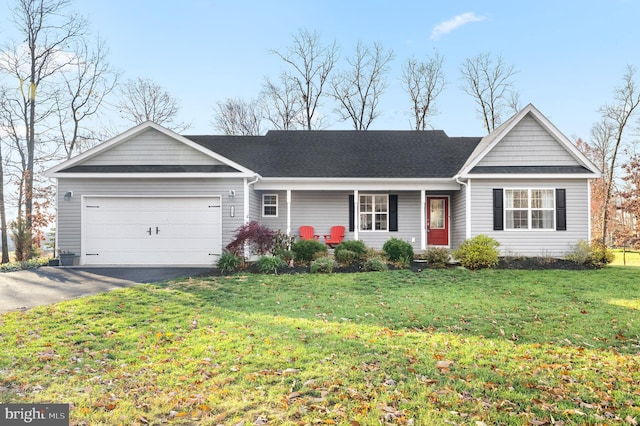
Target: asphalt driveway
x,y
22,290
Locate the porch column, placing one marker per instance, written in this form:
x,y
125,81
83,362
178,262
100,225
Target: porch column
x,y
467,200
356,215
288,212
423,220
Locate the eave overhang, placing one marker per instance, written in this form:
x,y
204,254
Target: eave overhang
x,y
363,184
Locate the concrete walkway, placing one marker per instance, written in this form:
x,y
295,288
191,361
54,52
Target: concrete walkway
x,y
21,290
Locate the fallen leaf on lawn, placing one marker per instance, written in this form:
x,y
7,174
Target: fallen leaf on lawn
x,y
444,365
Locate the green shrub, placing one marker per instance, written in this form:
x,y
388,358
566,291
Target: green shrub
x,y
375,264
397,249
304,250
601,254
478,252
322,265
269,264
229,262
594,254
346,257
355,246
437,257
404,262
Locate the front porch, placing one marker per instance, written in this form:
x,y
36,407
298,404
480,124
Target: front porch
x,y
424,218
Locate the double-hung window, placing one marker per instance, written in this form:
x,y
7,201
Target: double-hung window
x,y
374,212
270,205
529,208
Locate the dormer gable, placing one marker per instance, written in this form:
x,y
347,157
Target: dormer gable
x,y
146,150
527,144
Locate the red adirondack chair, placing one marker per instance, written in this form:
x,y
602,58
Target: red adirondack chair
x,y
307,233
336,236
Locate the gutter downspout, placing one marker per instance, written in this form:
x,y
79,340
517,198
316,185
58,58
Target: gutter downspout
x,y
467,203
246,197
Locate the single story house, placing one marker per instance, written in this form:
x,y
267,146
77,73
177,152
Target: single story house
x,y
150,196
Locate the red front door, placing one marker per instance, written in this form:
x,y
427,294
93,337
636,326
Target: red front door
x,y
438,221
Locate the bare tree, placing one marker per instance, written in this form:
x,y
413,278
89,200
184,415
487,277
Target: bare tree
x,y
282,104
423,81
143,100
617,115
4,236
312,63
358,89
237,117
489,81
45,31
87,82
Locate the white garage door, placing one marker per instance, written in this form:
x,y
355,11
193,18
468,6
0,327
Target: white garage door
x,y
151,230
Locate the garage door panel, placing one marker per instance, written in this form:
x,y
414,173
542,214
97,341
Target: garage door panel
x,y
152,230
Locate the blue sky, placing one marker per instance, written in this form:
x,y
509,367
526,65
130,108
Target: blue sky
x,y
570,55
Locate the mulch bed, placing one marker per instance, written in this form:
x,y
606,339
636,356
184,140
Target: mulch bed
x,y
525,263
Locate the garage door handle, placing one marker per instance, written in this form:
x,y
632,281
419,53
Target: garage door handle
x,y
157,230
149,230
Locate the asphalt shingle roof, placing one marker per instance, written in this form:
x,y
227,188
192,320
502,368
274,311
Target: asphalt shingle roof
x,y
346,154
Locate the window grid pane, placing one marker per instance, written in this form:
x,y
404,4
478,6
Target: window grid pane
x,y
374,212
530,208
270,205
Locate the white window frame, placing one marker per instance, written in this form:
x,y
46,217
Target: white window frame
x,y
264,204
373,212
529,209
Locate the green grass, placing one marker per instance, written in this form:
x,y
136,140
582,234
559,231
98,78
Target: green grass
x,y
436,347
630,258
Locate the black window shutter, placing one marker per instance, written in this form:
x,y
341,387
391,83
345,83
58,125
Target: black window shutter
x,y
352,218
561,209
498,210
393,213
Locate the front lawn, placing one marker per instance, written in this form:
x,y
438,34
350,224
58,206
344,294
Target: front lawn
x,y
399,347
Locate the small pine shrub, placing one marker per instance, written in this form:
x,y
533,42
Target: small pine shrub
x,y
355,246
478,252
21,236
305,250
269,264
229,262
437,257
346,257
375,264
322,265
397,249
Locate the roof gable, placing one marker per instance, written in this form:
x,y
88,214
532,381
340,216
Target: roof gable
x,y
527,141
148,148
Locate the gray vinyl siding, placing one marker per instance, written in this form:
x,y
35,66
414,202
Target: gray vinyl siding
x,y
255,205
458,217
532,242
69,212
276,223
528,144
324,209
151,147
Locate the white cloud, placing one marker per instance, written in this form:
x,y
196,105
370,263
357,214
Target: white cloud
x,y
447,26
